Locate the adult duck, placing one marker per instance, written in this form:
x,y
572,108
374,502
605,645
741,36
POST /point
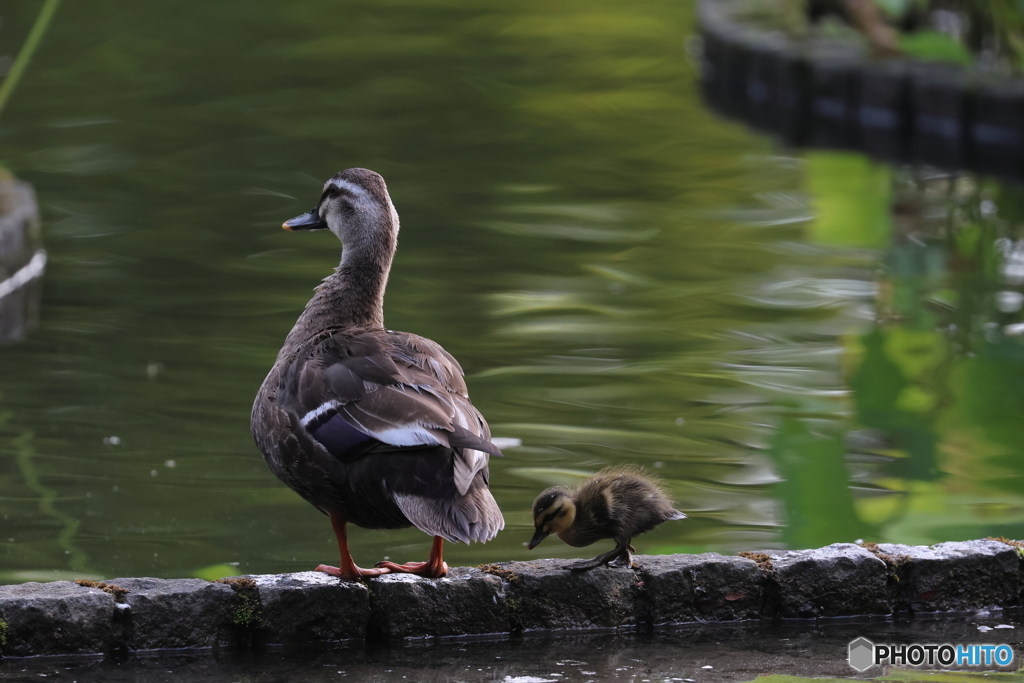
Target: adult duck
x,y
371,426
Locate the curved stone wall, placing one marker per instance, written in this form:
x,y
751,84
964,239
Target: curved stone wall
x,y
831,94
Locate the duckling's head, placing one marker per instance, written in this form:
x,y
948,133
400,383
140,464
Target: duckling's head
x,y
553,513
356,207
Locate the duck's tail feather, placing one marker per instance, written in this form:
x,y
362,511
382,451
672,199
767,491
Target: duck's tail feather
x,y
677,515
473,517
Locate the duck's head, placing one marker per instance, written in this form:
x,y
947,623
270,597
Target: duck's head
x,y
553,513
354,205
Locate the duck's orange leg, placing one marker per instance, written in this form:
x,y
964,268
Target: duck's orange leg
x,y
434,568
347,568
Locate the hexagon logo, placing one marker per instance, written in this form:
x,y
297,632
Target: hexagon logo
x,y
862,654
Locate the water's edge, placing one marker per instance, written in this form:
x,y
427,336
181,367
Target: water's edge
x,y
840,580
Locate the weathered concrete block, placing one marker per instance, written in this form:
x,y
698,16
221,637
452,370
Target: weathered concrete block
x,y
467,601
835,81
997,128
310,606
56,618
957,576
938,101
177,612
883,112
543,595
838,580
708,587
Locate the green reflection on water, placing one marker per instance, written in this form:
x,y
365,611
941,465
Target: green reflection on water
x,y
623,276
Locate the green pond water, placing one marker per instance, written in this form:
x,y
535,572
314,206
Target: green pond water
x,y
807,347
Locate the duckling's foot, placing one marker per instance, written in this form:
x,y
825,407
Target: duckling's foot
x,y
623,560
434,568
584,566
351,572
619,557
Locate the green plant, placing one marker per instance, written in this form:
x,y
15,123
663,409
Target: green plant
x,y
22,60
247,613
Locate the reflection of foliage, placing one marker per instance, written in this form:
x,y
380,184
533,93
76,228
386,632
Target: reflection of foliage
x,y
25,54
941,375
22,443
991,390
850,198
814,487
889,399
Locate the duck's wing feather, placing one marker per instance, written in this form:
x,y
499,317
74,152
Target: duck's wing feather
x,y
394,388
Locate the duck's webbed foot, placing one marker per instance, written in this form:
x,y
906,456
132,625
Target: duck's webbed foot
x,y
434,568
425,569
351,572
618,557
347,569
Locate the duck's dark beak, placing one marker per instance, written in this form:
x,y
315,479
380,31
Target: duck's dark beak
x,y
537,538
307,221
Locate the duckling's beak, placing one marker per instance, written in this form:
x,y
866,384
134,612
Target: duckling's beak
x,y
537,538
307,221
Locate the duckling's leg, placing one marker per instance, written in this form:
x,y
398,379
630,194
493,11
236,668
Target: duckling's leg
x,y
347,568
624,558
434,568
606,558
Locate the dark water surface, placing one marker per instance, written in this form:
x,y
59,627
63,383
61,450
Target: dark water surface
x,y
808,348
708,654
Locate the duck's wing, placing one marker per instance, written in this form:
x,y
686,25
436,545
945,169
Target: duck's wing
x,y
399,389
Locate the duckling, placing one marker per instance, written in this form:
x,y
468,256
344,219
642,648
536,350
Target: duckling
x,y
372,426
617,503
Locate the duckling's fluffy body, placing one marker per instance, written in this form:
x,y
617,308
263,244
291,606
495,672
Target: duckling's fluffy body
x,y
617,503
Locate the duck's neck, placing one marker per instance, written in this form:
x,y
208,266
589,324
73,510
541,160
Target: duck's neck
x,y
351,298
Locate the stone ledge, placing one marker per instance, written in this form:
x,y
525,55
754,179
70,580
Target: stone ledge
x,y
306,606
466,602
544,596
840,580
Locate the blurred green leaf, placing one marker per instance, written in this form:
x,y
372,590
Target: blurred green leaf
x,y
935,46
850,195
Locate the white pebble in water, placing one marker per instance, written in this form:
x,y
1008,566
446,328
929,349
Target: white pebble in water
x,y
153,473
112,440
170,464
